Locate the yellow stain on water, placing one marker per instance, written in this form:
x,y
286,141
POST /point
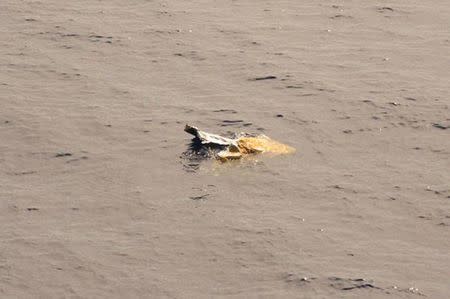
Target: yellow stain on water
x,y
263,144
253,145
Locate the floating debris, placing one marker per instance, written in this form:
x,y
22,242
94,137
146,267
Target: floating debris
x,y
441,126
243,144
347,284
200,197
385,8
63,154
263,78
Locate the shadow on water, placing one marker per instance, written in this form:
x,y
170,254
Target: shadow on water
x,y
198,152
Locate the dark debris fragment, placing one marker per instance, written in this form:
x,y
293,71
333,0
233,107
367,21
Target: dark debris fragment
x,y
440,126
63,154
263,78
